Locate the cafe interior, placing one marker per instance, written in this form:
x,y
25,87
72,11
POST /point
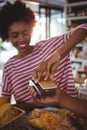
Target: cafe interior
x,y
53,18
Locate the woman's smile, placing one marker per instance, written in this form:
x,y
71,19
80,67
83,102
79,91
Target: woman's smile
x,y
22,46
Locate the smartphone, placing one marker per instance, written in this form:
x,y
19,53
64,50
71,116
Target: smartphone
x,y
44,87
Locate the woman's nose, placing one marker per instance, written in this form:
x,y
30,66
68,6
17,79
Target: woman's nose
x,y
21,37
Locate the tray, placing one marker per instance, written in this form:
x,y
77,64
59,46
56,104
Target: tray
x,y
19,122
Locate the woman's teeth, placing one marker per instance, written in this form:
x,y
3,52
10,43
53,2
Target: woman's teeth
x,y
22,45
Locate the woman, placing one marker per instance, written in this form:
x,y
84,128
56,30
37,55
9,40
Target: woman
x,y
16,25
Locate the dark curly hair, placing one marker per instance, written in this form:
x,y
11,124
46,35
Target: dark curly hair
x,y
11,13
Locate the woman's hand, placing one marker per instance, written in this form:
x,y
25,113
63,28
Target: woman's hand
x,y
47,68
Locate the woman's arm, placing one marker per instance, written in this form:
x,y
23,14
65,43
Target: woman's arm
x,y
79,35
49,66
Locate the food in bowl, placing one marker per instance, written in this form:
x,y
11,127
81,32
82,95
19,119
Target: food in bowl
x,y
60,119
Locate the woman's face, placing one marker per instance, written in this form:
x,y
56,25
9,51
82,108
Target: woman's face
x,y
20,36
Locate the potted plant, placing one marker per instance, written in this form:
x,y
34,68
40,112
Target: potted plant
x,y
1,46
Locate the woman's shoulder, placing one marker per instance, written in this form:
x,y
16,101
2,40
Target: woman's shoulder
x,y
9,61
48,40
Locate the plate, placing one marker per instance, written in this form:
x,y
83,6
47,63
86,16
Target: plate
x,y
29,127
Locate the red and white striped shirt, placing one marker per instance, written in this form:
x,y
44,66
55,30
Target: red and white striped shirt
x,y
17,73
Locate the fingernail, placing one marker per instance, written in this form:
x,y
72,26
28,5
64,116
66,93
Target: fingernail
x,y
45,78
51,77
36,81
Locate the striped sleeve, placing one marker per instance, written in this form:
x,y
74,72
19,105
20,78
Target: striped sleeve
x,y
84,26
69,33
6,85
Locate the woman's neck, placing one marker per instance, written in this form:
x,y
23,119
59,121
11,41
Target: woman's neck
x,y
22,55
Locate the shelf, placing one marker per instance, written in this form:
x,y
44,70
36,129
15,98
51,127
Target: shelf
x,y
77,4
76,14
79,45
77,18
77,60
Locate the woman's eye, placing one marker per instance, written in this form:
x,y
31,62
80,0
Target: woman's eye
x,y
25,33
14,35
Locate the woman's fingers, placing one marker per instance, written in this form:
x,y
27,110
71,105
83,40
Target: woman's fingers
x,y
47,68
40,72
32,92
